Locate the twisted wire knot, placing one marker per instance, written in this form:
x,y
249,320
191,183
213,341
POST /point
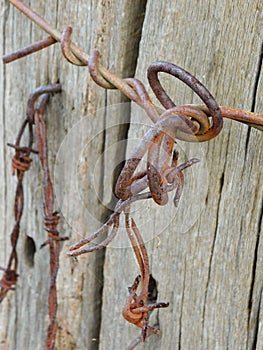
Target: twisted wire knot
x,y
21,161
50,225
7,282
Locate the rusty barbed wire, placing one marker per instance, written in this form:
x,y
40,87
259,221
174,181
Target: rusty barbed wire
x,y
192,123
105,78
28,50
20,164
51,217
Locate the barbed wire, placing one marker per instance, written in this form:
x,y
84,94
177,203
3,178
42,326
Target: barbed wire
x,y
20,164
132,88
191,123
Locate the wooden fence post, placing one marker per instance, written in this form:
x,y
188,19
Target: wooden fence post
x,y
206,256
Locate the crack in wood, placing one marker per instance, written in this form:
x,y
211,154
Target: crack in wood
x,y
255,340
252,288
254,94
256,251
181,310
123,134
255,90
222,181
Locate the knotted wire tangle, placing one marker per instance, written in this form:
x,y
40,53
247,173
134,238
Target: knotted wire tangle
x,y
162,174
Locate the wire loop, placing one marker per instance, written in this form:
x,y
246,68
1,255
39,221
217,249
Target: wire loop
x,y
66,47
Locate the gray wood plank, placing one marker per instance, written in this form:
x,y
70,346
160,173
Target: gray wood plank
x,y
205,256
75,129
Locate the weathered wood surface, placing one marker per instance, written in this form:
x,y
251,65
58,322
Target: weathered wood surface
x,y
206,257
107,26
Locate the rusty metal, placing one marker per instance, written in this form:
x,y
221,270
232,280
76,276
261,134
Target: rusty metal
x,y
249,118
133,88
28,50
66,50
157,160
136,308
93,65
105,78
192,123
20,164
130,188
195,85
51,217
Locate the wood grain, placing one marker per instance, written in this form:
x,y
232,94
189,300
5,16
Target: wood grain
x,y
76,123
206,256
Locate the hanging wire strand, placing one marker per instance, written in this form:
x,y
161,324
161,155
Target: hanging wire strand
x,y
136,309
20,164
51,217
